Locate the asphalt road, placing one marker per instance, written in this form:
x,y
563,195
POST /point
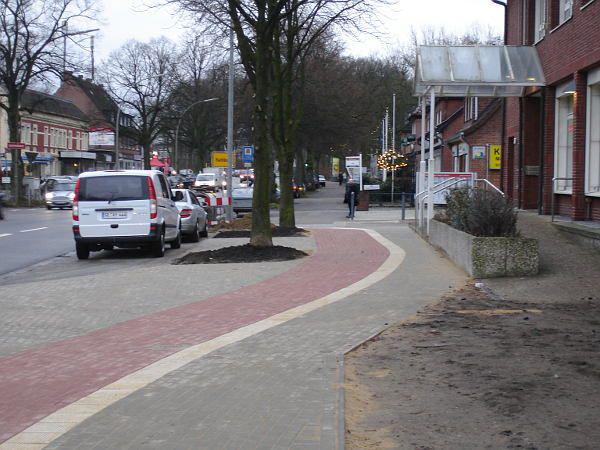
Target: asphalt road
x,y
29,236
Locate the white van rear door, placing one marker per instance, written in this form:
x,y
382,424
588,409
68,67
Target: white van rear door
x,y
114,206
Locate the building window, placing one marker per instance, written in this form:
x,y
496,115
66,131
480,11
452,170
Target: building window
x,y
565,10
84,141
540,20
46,136
69,139
77,137
471,108
26,133
34,135
563,145
439,116
592,164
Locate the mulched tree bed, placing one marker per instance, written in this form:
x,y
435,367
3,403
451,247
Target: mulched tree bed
x,y
241,254
276,232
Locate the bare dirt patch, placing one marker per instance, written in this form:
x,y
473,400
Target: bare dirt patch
x,y
474,371
241,254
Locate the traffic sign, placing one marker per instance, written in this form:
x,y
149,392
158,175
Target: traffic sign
x,y
248,154
15,146
219,159
495,157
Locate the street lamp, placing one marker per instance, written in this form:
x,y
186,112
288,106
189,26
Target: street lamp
x,y
179,124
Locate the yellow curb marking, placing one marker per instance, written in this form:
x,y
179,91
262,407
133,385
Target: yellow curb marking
x,y
53,426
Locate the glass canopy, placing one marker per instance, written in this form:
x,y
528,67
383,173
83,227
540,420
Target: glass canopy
x,y
478,70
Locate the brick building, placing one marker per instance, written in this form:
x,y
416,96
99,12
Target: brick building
x,y
554,132
57,131
102,110
466,129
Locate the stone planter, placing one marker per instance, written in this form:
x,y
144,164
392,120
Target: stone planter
x,y
486,257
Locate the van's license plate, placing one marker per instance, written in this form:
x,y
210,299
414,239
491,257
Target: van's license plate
x,y
114,214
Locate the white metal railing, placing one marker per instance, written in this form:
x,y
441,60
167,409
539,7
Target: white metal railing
x,y
489,183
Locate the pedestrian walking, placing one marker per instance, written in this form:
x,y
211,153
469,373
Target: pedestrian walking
x,y
351,197
341,178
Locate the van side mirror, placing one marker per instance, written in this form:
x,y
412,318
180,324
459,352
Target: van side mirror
x,y
178,196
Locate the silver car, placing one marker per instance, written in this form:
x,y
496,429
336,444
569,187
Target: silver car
x,y
193,215
59,193
242,199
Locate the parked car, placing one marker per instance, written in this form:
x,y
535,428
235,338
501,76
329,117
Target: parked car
x,y
299,189
124,208
322,181
242,199
193,216
59,193
176,181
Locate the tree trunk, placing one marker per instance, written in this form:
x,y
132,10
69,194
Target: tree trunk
x,y
287,217
260,235
16,171
147,147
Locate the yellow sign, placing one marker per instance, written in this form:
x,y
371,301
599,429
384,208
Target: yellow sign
x,y
218,159
495,156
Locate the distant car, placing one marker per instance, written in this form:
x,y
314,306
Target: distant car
x,y
59,193
193,216
242,199
206,181
299,189
176,181
322,181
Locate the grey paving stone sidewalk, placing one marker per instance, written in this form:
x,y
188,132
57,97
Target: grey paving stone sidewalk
x,y
55,302
277,389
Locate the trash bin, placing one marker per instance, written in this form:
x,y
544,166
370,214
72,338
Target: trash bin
x,y
363,201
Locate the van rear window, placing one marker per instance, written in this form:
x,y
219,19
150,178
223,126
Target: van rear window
x,y
112,188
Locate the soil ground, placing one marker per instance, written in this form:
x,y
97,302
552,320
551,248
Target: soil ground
x,y
241,254
515,366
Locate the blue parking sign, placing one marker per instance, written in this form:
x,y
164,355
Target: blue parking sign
x,y
248,154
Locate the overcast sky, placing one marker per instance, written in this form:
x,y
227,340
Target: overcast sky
x,y
129,19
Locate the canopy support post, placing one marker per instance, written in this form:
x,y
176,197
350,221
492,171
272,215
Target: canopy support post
x,y
430,180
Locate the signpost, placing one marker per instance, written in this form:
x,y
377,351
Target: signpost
x,y
354,168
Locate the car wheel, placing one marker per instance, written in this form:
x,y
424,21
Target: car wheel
x,y
48,207
82,250
177,242
158,247
204,232
195,236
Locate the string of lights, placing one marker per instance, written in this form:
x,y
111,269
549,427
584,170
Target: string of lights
x,y
391,160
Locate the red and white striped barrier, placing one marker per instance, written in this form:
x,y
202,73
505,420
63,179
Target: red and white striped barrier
x,y
216,204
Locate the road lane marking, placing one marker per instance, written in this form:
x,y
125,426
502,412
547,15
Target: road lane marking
x,y
57,424
5,234
33,229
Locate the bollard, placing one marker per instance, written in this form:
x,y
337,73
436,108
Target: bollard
x,y
403,205
352,205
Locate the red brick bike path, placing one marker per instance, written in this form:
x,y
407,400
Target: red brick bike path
x,y
37,382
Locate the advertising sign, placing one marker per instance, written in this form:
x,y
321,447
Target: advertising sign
x,y
495,156
478,152
354,168
218,159
335,166
102,137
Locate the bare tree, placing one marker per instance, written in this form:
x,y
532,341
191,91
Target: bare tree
x,y
32,37
141,76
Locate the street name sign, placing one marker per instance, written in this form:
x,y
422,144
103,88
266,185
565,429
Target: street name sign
x,y
15,146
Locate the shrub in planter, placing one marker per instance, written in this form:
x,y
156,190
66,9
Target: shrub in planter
x,y
481,212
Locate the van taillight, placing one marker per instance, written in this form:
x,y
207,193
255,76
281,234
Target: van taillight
x,y
185,213
152,194
76,201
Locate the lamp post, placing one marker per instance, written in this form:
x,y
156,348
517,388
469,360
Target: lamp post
x,y
179,124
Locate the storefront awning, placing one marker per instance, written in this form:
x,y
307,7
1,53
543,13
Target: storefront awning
x,y
477,70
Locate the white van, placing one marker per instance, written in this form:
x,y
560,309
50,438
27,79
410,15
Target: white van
x,y
124,208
